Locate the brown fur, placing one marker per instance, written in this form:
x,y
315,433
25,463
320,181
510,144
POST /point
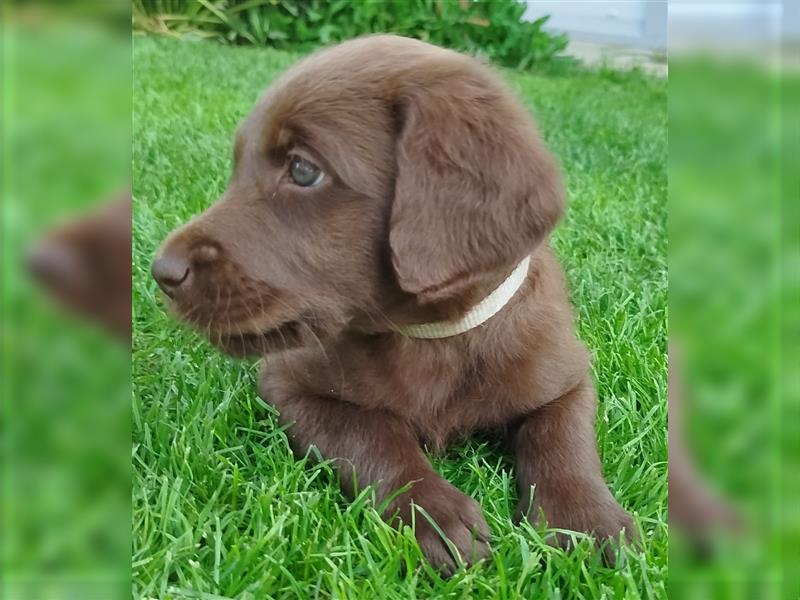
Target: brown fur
x,y
437,185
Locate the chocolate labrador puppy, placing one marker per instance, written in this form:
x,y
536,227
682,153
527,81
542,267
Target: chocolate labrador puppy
x,y
383,239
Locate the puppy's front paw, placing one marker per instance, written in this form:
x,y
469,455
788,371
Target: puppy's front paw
x,y
597,514
457,516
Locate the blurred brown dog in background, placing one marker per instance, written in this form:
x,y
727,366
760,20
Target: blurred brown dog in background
x,y
85,264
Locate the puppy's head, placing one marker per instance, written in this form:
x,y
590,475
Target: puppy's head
x,y
85,265
381,180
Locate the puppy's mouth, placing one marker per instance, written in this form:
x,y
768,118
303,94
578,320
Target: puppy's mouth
x,y
240,344
235,330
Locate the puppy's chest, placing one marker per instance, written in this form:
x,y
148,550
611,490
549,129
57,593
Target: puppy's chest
x,y
402,383
439,391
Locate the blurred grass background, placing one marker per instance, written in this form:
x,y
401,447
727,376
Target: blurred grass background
x,y
733,197
65,385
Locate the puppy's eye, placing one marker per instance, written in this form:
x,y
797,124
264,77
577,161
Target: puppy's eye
x,y
304,173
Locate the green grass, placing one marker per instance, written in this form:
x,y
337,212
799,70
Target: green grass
x,y
220,506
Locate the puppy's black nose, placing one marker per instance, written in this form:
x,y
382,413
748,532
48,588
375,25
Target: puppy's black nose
x,y
170,272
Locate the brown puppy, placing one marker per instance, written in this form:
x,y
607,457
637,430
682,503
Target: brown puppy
x,y
382,183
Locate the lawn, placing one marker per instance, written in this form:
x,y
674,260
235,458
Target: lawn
x,y
220,506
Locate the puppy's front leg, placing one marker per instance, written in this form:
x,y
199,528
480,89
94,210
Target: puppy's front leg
x,y
556,452
375,447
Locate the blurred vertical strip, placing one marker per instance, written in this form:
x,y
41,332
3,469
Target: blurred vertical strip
x,y
65,425
733,266
790,216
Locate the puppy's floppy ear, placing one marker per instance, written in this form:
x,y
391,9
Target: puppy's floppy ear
x,y
476,191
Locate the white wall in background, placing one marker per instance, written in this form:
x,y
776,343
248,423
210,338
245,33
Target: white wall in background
x,y
638,23
732,23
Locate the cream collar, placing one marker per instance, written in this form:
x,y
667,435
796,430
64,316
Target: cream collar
x,y
477,315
